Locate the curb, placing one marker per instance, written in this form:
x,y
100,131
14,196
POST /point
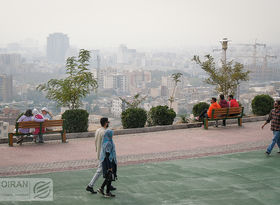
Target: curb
x,y
143,130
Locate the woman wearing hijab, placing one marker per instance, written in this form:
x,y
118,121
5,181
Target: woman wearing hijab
x,y
27,116
37,117
109,163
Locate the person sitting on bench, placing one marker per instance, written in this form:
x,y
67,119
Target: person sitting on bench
x,y
232,101
208,113
38,118
224,104
27,116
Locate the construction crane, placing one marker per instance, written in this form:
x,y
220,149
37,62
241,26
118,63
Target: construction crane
x,y
263,71
265,60
255,45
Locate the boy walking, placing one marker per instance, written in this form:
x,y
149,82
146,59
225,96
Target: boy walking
x,y
274,118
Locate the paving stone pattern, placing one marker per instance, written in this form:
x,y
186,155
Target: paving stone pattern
x,y
54,156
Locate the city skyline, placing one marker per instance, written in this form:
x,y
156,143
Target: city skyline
x,y
141,24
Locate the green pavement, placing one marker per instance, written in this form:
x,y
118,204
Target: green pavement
x,y
239,179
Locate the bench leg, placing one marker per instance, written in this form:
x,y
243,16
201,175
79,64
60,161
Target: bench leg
x,y
239,121
63,136
11,136
205,123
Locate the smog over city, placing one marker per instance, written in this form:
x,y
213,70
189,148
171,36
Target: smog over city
x,y
135,46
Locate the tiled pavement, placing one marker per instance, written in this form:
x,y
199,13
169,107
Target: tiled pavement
x,y
135,148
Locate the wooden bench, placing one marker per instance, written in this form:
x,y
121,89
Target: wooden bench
x,y
40,125
224,114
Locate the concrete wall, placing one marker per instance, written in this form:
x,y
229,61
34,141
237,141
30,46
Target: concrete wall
x,y
146,129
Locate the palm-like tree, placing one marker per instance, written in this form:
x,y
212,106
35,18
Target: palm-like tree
x,y
176,78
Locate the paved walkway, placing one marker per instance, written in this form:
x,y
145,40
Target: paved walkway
x,y
247,178
136,148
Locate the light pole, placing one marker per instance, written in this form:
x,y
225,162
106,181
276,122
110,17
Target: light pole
x,y
224,43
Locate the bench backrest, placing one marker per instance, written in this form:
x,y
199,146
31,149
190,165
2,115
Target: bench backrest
x,y
32,124
227,112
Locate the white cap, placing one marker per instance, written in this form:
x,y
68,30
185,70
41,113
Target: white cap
x,y
44,109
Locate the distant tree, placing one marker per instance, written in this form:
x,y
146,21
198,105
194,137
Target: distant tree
x,y
227,78
176,79
36,96
136,101
78,83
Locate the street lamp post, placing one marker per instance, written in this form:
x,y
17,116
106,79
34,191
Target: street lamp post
x,y
224,43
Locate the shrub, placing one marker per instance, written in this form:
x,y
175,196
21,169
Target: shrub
x,y
184,119
133,118
75,120
199,107
161,115
262,104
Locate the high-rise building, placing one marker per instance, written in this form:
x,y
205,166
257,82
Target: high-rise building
x,y
102,77
9,63
125,55
6,88
118,82
95,59
57,46
10,59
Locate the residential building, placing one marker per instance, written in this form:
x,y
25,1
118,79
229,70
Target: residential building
x,y
155,92
117,107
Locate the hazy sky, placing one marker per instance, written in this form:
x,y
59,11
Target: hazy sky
x,y
141,23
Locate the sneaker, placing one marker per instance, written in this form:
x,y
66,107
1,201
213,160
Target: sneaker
x,y
90,189
216,123
108,195
113,188
35,138
100,191
20,140
267,153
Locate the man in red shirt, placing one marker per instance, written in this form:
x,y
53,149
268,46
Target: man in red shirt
x,y
232,101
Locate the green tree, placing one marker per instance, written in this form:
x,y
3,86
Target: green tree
x,y
78,83
227,78
176,79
